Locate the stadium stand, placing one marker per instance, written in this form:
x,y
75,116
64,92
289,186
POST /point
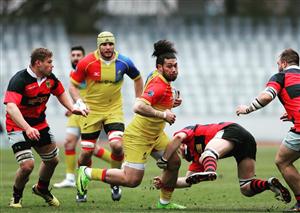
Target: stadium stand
x,y
223,61
18,41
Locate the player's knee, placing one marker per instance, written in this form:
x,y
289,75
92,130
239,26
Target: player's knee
x,y
133,182
86,154
115,139
116,147
70,144
27,167
209,153
280,163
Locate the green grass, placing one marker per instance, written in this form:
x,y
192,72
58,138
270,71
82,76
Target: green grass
x,y
221,195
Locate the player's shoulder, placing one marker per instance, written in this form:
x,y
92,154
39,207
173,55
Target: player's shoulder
x,y
157,81
277,76
124,59
87,59
20,76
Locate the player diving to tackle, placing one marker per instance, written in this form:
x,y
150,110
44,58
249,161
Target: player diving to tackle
x,y
205,144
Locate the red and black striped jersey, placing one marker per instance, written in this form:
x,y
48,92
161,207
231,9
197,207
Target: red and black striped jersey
x,y
31,96
198,137
287,86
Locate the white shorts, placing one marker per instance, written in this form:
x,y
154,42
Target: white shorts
x,y
73,131
292,141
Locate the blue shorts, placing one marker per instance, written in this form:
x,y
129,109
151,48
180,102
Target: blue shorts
x,y
292,141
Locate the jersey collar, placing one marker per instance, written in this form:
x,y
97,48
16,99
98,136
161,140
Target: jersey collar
x,y
292,67
32,74
97,55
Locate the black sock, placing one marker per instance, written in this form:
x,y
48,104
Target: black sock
x,y
17,194
43,186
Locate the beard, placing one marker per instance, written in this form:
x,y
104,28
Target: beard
x,y
74,64
169,77
107,55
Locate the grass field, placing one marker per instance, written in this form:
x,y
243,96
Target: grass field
x,y
221,195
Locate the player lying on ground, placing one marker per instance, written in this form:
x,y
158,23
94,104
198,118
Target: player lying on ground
x,y
205,144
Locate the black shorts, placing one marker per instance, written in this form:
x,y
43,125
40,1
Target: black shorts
x,y
20,141
244,142
107,129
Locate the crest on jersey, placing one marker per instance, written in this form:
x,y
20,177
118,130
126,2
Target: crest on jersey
x,y
150,93
48,84
199,148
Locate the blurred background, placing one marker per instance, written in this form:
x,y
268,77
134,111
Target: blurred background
x,y
227,50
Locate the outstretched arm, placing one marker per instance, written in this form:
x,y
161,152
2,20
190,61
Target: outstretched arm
x,y
264,98
78,108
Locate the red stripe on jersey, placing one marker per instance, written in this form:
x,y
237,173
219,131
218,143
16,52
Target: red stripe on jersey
x,y
287,85
12,97
30,98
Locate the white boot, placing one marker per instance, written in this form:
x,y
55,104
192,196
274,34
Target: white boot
x,y
69,181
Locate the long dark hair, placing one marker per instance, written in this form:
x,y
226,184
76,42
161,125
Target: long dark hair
x,y
163,49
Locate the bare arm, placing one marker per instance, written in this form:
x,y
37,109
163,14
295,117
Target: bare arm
x,y
74,92
66,102
173,146
140,107
138,87
16,115
264,98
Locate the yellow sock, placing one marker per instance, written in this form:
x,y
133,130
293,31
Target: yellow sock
x,y
70,161
166,194
98,174
116,161
104,154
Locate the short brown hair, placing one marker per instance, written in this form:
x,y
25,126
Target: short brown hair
x,y
40,54
290,56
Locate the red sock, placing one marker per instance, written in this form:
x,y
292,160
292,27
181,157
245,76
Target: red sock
x,y
258,186
209,164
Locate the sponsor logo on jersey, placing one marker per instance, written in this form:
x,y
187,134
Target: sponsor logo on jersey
x,y
31,87
150,93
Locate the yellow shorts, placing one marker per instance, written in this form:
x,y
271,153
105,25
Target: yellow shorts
x,y
95,122
74,121
137,149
